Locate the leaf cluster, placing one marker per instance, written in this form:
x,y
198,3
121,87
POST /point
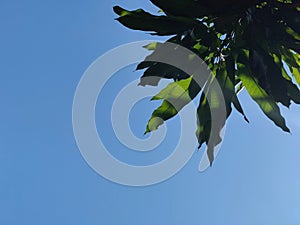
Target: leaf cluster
x,y
249,44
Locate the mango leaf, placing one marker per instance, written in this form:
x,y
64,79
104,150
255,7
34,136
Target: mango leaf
x,y
227,87
161,114
198,9
238,107
204,124
210,101
292,17
269,76
155,72
259,95
186,8
160,25
293,62
293,91
230,67
251,45
175,96
203,121
296,74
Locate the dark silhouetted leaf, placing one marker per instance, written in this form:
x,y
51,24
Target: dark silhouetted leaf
x,y
265,102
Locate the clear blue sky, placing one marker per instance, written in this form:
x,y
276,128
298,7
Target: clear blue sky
x,y
45,46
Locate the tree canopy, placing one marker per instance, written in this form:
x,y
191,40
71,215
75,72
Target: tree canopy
x,y
251,44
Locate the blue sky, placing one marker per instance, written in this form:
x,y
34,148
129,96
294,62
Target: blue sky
x,y
45,47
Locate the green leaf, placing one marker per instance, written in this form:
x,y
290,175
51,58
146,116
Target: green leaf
x,y
292,17
224,77
245,43
268,75
259,95
238,107
161,114
293,91
293,62
179,89
160,25
152,46
157,71
175,96
209,101
186,8
296,74
203,121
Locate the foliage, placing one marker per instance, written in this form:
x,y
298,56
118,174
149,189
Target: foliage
x,y
249,44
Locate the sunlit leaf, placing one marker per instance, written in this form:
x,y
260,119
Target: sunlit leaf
x,y
265,102
175,96
246,44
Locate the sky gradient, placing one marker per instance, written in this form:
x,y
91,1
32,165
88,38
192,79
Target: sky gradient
x,y
45,47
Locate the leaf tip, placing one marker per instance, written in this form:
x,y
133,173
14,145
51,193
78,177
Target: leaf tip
x,y
117,9
141,84
247,120
147,131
